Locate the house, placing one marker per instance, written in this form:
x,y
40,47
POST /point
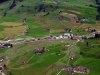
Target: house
x,y
68,35
2,58
6,45
81,20
40,50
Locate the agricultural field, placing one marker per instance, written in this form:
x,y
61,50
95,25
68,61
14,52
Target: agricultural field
x,y
42,37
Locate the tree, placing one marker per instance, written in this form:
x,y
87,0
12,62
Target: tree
x,y
3,1
13,4
41,1
57,3
9,73
87,43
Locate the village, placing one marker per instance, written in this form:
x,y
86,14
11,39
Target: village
x,y
10,43
6,42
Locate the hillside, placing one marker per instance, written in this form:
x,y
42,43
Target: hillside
x,y
32,25
53,15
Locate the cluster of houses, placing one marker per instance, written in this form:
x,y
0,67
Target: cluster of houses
x,y
65,36
81,69
78,69
68,35
6,45
74,36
